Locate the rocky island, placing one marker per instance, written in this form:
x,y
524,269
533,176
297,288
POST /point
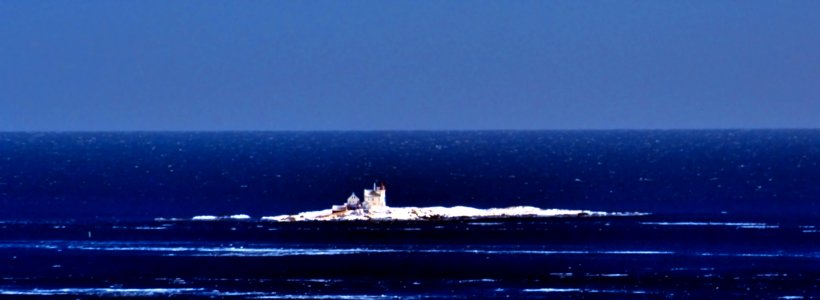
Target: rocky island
x,y
374,207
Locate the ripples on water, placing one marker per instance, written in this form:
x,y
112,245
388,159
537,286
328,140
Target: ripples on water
x,y
632,257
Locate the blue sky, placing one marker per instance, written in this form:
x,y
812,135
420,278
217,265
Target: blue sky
x,y
383,65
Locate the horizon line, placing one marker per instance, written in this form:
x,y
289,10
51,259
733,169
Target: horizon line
x,y
408,130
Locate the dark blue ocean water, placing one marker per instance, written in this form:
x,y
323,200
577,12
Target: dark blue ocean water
x,y
735,214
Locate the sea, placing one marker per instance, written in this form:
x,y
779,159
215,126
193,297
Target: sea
x,y
733,214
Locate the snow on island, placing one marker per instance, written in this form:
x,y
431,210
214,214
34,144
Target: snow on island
x,y
374,207
385,213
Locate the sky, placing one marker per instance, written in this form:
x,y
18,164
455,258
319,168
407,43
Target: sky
x,y
408,65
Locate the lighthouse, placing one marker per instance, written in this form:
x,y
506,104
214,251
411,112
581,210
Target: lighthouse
x,y
375,197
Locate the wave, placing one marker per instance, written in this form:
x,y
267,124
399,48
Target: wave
x,y
364,297
579,290
121,292
214,218
172,292
182,250
262,250
731,224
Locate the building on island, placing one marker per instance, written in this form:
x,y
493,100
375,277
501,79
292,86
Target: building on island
x,y
376,197
352,201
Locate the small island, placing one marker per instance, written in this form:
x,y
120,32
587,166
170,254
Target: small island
x,y
374,208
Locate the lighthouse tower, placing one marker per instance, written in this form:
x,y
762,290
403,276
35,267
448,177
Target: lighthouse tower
x,y
375,197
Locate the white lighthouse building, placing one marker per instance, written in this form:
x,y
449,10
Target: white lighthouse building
x,y
376,197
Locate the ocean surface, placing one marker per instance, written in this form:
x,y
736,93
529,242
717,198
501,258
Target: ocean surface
x,y
734,214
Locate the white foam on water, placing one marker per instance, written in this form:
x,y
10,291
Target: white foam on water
x,y
104,291
132,248
747,225
30,246
761,254
476,280
553,290
577,290
233,251
544,252
130,292
345,297
320,280
638,252
216,218
486,223
760,227
608,275
771,275
276,252
149,228
775,254
250,251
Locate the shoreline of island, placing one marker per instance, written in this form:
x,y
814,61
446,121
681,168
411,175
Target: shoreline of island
x,y
374,208
439,213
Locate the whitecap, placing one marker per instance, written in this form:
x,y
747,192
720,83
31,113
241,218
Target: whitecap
x,y
577,290
476,280
352,297
770,275
736,224
638,252
149,228
486,223
608,275
759,226
103,291
553,290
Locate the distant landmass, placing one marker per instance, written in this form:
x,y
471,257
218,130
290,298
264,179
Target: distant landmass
x,y
374,207
440,213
